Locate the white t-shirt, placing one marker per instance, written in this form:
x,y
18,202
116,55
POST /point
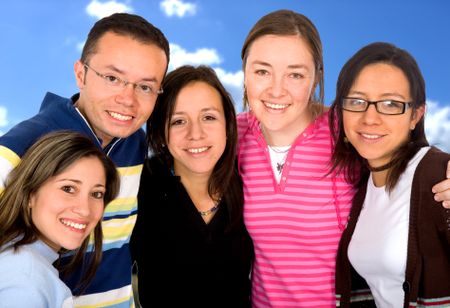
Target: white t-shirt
x,y
278,157
378,248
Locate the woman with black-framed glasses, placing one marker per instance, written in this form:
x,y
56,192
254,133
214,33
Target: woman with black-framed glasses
x,y
395,251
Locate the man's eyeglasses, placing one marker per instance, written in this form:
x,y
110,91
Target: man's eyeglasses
x,y
143,90
387,106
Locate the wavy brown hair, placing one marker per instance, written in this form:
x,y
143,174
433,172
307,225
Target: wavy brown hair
x,y
49,157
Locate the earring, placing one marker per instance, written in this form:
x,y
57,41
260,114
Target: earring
x,y
345,139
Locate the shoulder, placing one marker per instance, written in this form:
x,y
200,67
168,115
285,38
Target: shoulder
x,y
19,138
21,268
152,167
243,119
323,119
245,122
56,113
21,261
19,293
433,164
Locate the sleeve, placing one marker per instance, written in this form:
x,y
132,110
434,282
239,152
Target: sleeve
x,y
15,142
431,216
8,160
20,293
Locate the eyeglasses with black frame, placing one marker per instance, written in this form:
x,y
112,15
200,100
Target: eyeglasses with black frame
x,y
386,106
144,91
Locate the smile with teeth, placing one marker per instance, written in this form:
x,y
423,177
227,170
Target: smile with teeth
x,y
197,150
370,136
73,224
119,116
275,106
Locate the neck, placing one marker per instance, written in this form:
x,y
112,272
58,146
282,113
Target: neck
x,y
379,174
196,186
105,140
287,135
379,178
197,190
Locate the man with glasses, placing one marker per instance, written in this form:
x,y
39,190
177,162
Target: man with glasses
x,y
119,77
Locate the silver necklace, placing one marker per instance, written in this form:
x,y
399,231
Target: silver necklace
x,y
211,210
278,150
284,151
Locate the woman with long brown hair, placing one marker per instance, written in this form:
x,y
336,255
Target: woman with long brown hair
x,y
52,202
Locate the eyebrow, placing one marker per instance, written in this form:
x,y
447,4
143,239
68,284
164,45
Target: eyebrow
x,y
79,182
119,71
294,66
387,94
202,110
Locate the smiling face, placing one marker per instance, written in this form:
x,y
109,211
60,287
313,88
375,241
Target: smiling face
x,y
118,113
376,136
67,207
279,80
197,130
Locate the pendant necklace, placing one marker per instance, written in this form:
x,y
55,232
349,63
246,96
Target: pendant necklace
x,y
211,210
280,152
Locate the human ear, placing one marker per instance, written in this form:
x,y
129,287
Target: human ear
x,y
417,116
80,74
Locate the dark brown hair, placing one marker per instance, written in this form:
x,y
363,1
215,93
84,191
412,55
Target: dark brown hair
x,y
284,23
124,24
49,157
345,157
224,180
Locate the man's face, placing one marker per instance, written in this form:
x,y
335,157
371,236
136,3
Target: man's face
x,y
119,110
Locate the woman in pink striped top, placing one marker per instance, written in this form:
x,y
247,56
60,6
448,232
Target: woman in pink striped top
x,y
295,209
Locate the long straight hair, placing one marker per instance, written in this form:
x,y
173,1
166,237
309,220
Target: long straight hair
x,y
47,158
224,180
345,157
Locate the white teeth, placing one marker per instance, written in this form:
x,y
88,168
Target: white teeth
x,y
119,116
370,136
275,106
197,150
73,224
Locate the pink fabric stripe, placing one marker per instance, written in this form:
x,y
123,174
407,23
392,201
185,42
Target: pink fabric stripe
x,y
293,224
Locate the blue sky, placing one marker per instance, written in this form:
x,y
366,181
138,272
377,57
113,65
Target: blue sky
x,y
41,40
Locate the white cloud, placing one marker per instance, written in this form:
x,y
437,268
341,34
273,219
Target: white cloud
x,y
180,56
437,125
3,116
80,46
232,79
233,82
178,8
102,9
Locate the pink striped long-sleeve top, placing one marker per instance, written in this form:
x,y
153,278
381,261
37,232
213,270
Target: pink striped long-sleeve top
x,y
295,224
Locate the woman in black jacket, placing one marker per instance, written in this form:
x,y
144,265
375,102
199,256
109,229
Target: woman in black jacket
x,y
189,242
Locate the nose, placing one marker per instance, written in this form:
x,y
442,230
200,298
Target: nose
x,y
82,207
126,95
196,130
277,86
371,115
